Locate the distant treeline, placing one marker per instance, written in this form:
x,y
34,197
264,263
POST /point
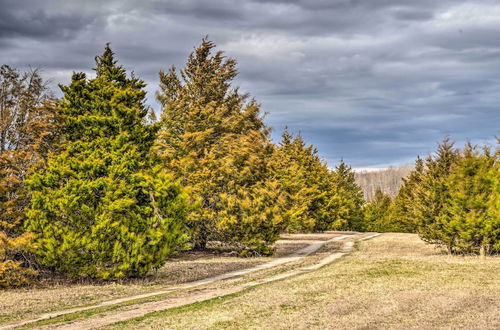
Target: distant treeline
x,y
388,180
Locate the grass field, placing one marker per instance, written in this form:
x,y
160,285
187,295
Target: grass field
x,y
392,281
28,302
54,295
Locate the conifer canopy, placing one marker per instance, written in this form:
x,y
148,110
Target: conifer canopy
x,y
102,207
213,138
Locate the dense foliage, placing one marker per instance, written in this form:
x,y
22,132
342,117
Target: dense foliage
x,y
28,131
299,170
377,213
472,216
402,216
316,198
102,207
451,199
346,200
215,142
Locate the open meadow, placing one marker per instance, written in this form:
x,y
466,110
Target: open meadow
x,y
389,281
392,281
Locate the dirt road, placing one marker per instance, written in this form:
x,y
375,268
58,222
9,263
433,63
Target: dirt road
x,y
201,290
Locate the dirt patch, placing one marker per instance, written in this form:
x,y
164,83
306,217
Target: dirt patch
x,y
284,248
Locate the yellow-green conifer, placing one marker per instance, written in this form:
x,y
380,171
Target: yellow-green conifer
x,y
214,140
102,207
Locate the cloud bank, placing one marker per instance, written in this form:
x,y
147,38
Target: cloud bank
x,y
373,82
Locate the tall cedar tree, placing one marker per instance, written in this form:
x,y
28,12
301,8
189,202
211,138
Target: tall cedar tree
x,y
28,131
432,196
403,215
316,198
102,208
377,213
494,200
346,201
452,200
297,168
471,221
216,143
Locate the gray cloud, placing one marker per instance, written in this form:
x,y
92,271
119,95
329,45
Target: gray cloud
x,y
27,19
374,82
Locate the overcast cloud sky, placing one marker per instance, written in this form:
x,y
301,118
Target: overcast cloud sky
x,y
375,82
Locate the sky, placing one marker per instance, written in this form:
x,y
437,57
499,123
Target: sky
x,y
374,82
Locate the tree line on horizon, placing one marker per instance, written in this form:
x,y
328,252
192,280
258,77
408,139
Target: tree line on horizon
x,y
388,180
91,185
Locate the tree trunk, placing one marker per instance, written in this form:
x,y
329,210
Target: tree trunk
x,y
200,242
482,250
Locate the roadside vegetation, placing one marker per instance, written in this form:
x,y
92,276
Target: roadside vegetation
x,y
57,294
93,187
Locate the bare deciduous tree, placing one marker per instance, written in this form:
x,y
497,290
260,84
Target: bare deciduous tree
x,y
389,180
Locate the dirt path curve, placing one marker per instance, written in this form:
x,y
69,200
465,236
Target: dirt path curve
x,y
202,294
304,252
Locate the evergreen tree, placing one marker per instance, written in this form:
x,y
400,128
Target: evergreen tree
x,y
28,131
101,207
452,200
471,221
344,200
432,196
377,213
403,215
493,203
317,198
297,168
215,141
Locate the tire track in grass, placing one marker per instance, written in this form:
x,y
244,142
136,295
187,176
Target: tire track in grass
x,y
300,254
201,294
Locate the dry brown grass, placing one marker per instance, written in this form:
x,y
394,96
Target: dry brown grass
x,y
394,281
59,294
26,303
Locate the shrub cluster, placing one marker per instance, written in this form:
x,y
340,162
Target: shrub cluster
x,y
451,199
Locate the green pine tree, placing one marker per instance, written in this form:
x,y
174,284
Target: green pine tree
x,y
345,200
296,167
377,213
432,197
102,207
28,131
493,203
317,199
403,215
471,222
215,141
